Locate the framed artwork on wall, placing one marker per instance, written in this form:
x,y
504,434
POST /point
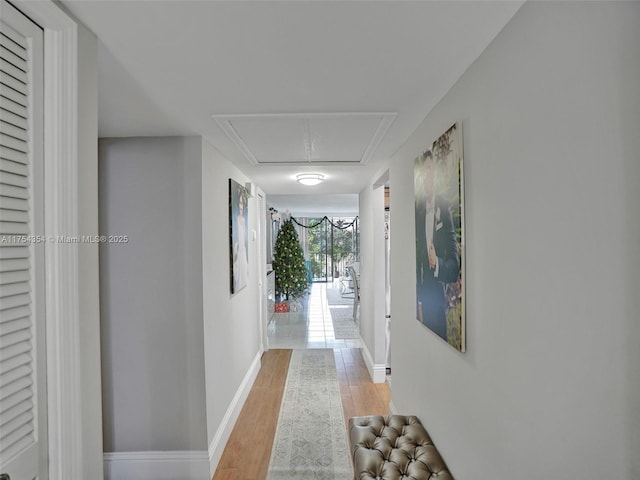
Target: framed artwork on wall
x,y
238,240
439,217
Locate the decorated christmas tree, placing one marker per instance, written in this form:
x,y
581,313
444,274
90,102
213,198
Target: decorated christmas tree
x,y
288,263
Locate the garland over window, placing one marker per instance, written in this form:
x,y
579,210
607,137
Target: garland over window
x,y
339,224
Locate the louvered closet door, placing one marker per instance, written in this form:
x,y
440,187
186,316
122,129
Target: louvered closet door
x,y
20,257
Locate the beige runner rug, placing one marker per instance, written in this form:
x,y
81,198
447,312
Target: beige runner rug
x,y
311,436
343,325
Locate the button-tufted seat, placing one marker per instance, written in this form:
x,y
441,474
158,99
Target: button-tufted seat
x,y
392,448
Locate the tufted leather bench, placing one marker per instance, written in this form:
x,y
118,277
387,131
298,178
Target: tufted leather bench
x,y
392,448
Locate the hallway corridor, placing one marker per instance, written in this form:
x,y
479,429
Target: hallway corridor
x,y
313,326
248,451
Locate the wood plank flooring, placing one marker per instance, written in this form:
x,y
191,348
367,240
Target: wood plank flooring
x,y
360,396
247,454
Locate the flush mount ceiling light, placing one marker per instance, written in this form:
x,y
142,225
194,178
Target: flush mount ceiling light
x,y
310,178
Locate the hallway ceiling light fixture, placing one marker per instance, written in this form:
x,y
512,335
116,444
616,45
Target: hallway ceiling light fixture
x,y
310,178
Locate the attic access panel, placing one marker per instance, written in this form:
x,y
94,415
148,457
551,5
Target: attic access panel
x,y
313,138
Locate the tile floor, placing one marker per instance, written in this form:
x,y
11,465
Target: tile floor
x,y
311,327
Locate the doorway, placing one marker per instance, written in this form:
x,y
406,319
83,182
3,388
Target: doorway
x,y
387,279
382,243
333,246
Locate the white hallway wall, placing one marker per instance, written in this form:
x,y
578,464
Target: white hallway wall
x,y
231,329
179,352
152,346
550,382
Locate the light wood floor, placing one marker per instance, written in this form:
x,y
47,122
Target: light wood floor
x,y
247,454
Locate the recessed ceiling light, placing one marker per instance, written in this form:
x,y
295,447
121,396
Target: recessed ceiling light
x,y
310,178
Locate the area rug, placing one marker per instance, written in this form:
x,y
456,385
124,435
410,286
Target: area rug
x,y
311,436
343,325
334,297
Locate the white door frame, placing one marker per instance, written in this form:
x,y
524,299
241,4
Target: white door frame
x,y
61,260
379,288
261,205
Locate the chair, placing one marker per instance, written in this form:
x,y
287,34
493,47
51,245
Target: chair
x,y
346,289
355,281
346,284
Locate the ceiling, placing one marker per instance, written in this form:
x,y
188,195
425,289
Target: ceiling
x,y
284,87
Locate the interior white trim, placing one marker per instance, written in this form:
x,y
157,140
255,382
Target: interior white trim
x,y
378,371
62,303
326,116
169,465
228,129
61,260
381,131
233,412
261,198
315,163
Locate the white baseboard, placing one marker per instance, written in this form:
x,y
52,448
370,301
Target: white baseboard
x,y
216,448
378,371
171,465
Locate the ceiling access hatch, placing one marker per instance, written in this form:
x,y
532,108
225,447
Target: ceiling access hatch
x,y
310,138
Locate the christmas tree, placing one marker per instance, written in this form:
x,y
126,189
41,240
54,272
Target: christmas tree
x,y
288,263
